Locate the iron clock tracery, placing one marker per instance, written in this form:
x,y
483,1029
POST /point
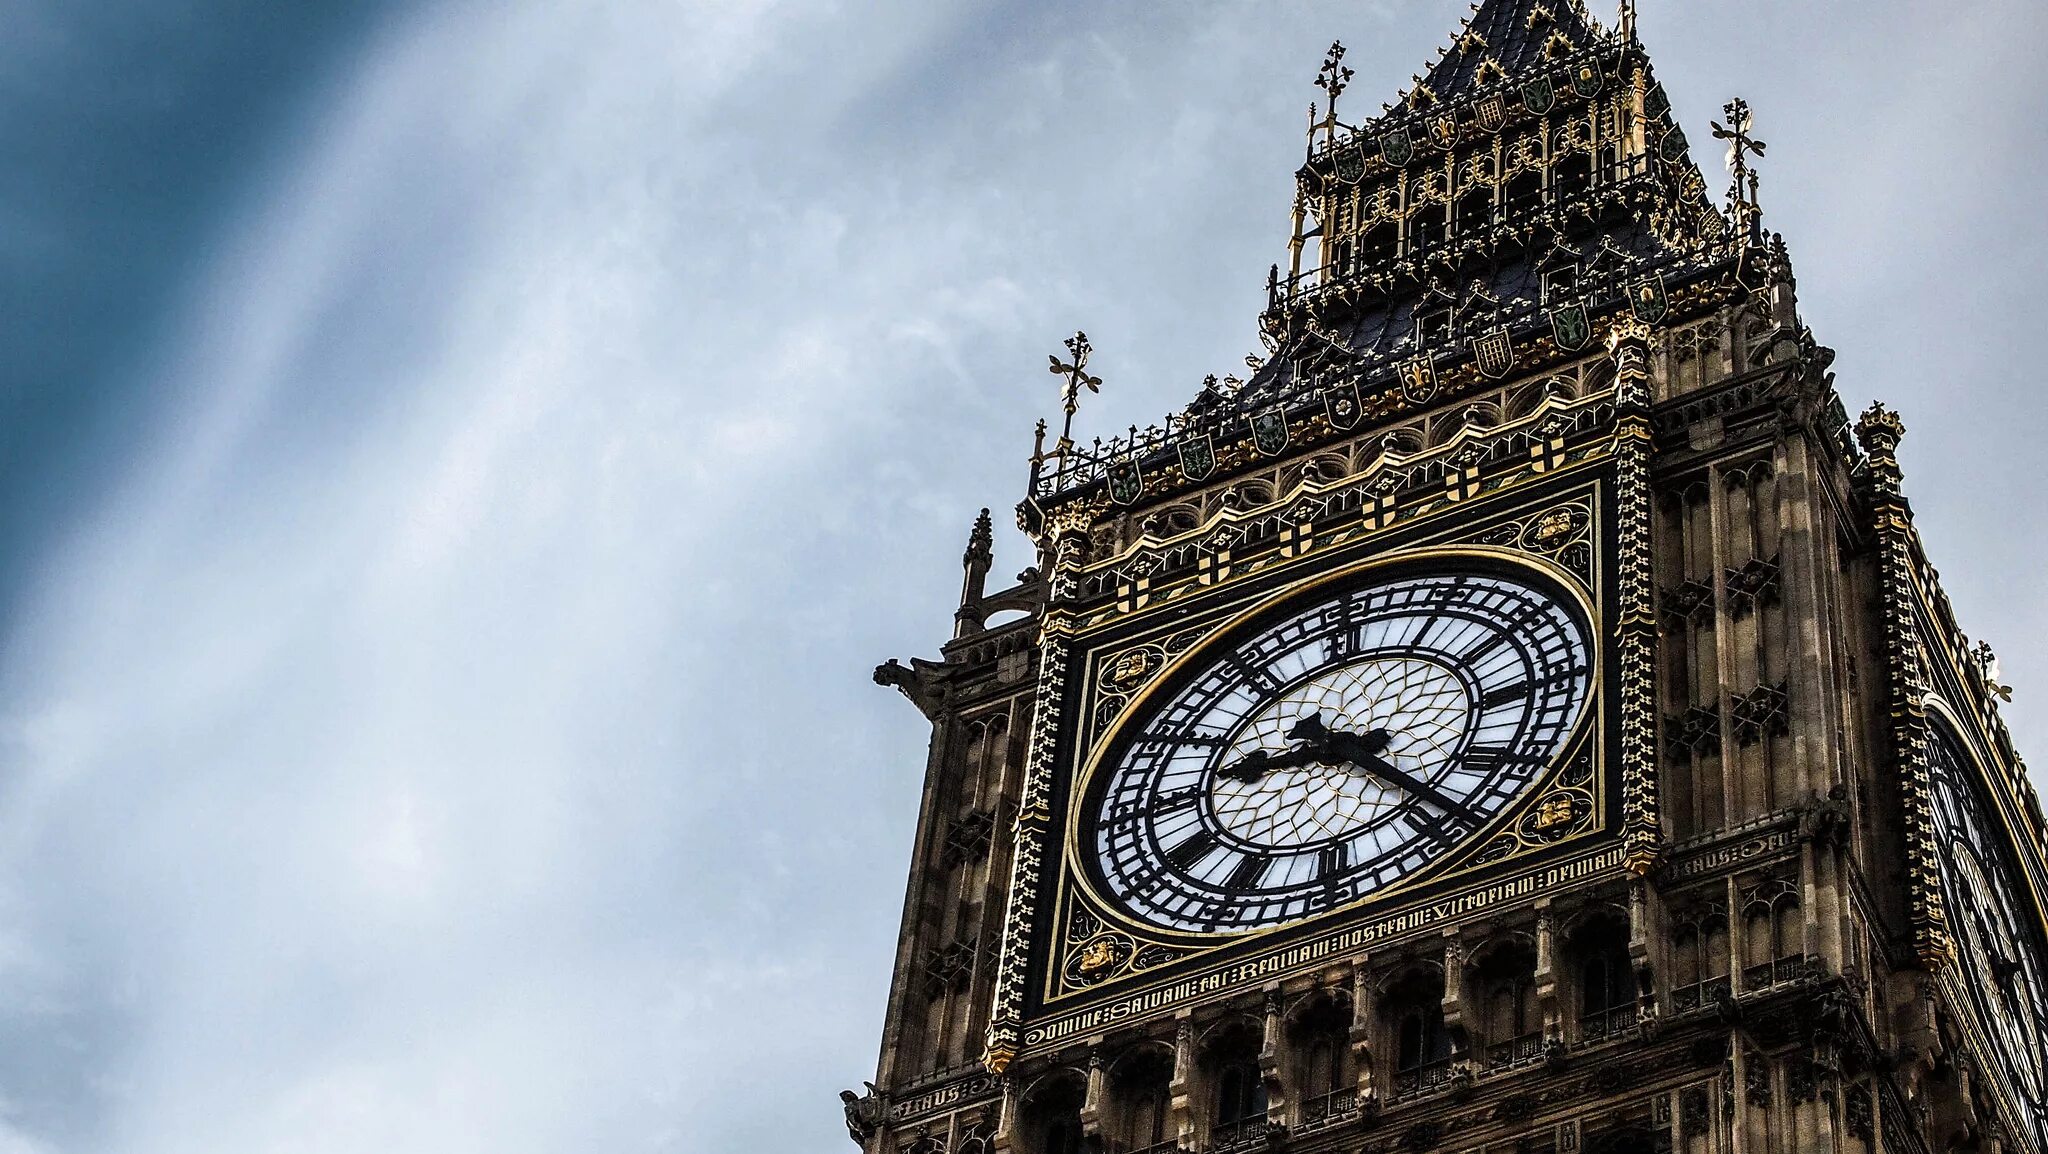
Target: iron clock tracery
x,y
1991,926
1337,746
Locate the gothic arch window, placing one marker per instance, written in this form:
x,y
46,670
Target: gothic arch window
x,y
1571,165
1425,228
1420,1044
1237,1086
1604,976
1475,211
1772,934
1510,1022
1319,1036
1380,244
1050,1118
1699,955
1141,1088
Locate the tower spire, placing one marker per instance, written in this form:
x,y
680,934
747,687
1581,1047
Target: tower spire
x,y
974,586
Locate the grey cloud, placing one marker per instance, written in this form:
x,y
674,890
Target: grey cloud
x,y
452,732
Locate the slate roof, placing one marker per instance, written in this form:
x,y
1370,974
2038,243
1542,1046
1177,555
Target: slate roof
x,y
1511,33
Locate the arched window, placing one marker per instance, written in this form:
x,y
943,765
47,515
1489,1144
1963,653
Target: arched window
x,y
1510,1022
1421,1043
1237,1100
1772,934
1605,977
1144,1100
1425,228
1475,211
1574,176
1524,192
1699,956
1325,1083
1240,1093
1380,244
1051,1116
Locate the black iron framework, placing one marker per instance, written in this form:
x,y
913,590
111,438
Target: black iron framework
x,y
1989,925
1313,759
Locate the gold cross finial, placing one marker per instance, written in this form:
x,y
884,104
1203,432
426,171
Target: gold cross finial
x,y
1075,369
1742,195
1333,78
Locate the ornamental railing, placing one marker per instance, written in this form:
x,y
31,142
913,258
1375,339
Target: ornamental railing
x,y
1515,1051
1424,1079
1778,972
1329,1109
1244,1135
1693,997
1603,1024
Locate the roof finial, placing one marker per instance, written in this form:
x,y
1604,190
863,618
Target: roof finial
x,y
1742,195
1333,78
1626,19
1077,376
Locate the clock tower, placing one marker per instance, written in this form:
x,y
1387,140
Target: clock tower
x,y
1520,717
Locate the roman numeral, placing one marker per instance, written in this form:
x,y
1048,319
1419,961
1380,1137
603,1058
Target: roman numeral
x,y
1505,695
1195,739
1493,758
1493,642
1252,672
1341,645
1333,860
1194,849
1247,874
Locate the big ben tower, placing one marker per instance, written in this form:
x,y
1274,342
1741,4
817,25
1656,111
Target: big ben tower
x,y
1521,717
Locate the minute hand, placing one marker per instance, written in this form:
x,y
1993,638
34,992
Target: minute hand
x,y
1383,769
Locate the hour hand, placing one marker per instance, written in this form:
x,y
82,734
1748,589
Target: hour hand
x,y
1253,767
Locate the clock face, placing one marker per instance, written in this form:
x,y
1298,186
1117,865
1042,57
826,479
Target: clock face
x,y
1336,747
1989,923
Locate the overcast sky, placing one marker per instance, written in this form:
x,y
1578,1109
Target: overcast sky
x,y
459,462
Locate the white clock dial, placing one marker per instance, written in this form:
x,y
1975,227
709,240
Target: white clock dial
x,y
1337,747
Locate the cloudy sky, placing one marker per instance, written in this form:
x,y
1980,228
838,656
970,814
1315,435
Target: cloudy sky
x,y
460,459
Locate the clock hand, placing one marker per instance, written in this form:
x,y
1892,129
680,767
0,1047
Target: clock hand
x,y
1254,766
1363,751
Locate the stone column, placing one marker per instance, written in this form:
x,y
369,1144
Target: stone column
x,y
1634,445
1067,534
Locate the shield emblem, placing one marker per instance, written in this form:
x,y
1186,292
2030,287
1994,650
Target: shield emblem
x,y
1571,327
1126,483
1397,147
1675,147
1492,112
1350,165
1656,103
1647,298
1539,95
1197,457
1345,408
1749,269
1587,79
1418,380
1269,432
1495,352
1443,130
